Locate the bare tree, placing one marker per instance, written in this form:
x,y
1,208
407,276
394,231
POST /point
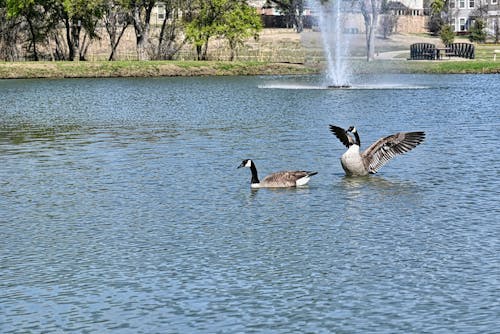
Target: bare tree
x,y
388,24
389,18
169,42
496,30
116,19
294,10
370,10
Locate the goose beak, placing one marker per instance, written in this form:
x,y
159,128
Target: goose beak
x,y
241,165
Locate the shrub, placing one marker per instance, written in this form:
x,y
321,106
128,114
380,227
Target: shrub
x,y
477,32
446,34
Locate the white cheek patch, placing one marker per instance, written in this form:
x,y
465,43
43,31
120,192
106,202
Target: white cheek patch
x,y
248,164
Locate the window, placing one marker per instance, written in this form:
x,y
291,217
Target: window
x,y
161,12
494,2
461,4
471,3
452,4
454,24
462,24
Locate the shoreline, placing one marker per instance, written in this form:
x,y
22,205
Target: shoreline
x,y
117,69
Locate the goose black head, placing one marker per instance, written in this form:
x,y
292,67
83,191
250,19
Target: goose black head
x,y
245,163
352,129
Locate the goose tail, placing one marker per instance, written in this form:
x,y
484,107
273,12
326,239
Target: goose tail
x,y
305,179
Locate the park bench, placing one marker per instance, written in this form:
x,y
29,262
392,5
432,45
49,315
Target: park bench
x,y
419,51
464,50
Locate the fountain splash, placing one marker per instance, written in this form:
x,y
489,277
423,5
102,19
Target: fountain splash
x,y
330,20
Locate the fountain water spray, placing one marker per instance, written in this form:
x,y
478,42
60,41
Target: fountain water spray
x,y
330,20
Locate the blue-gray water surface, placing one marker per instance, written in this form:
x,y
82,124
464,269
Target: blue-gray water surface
x,y
122,210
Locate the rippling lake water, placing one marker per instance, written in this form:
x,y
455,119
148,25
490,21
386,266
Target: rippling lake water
x,y
122,210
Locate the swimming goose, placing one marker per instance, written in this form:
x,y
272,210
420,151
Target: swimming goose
x,y
378,154
279,179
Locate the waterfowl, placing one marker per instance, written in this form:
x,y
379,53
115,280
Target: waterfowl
x,y
378,154
283,179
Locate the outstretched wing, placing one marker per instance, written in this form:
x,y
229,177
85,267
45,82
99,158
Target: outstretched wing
x,y
384,149
342,135
285,178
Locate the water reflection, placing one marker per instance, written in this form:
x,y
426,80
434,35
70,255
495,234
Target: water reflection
x,y
377,183
16,138
375,196
24,133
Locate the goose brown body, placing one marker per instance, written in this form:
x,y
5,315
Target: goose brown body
x,y
282,179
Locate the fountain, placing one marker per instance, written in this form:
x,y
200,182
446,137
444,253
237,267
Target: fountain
x,y
330,21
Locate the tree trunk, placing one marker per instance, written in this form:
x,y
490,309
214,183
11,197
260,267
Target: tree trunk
x,y
33,37
142,27
299,18
75,36
497,30
204,55
161,38
370,10
168,44
198,52
142,47
68,39
114,41
232,46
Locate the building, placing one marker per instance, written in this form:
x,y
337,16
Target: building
x,y
463,13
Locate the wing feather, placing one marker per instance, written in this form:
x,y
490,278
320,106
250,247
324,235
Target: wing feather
x,y
342,135
285,178
384,149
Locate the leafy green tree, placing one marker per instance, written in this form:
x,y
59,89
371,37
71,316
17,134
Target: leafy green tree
x,y
435,21
10,32
31,12
477,32
203,24
446,34
239,24
437,6
230,19
78,15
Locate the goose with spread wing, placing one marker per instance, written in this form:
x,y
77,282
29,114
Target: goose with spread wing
x,y
378,154
283,179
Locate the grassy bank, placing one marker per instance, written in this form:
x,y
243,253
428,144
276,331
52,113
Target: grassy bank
x,y
105,69
278,51
429,67
452,67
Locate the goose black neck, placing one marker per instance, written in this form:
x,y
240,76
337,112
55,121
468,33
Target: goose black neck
x,y
255,177
356,136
